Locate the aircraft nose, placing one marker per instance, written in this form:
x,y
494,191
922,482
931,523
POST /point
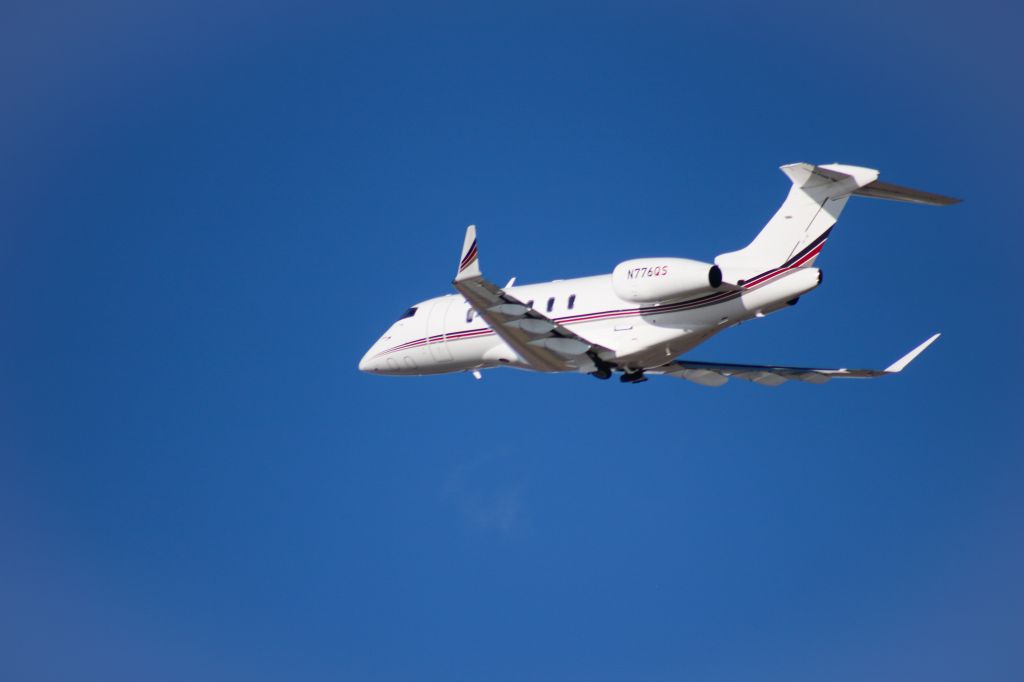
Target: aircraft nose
x,y
368,363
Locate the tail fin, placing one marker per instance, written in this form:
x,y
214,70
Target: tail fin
x,y
797,232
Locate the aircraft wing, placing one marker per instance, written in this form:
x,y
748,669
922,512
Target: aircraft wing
x,y
716,373
543,343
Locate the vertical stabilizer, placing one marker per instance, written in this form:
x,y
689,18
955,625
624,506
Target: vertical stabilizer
x,y
799,228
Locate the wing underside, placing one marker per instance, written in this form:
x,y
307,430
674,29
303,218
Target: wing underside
x,y
541,342
717,373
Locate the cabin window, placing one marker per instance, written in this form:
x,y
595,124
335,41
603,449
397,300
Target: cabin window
x,y
551,304
408,313
470,314
572,301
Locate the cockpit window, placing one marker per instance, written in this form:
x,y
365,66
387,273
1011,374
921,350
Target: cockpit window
x,y
408,313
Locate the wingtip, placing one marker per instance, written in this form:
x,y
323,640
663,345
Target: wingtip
x,y
469,263
900,364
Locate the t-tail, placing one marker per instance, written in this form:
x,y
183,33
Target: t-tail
x,y
799,229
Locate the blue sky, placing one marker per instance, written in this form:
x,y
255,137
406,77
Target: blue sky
x,y
210,214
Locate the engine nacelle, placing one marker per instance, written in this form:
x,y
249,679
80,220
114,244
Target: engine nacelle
x,y
651,280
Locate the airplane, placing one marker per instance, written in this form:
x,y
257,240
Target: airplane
x,y
639,319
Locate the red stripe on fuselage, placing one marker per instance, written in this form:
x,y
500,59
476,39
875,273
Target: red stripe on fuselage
x,y
578,319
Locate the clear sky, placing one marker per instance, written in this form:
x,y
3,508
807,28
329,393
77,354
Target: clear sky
x,y
208,215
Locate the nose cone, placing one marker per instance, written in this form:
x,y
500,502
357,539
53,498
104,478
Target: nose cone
x,y
369,363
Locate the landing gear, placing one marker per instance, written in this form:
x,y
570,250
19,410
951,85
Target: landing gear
x,y
629,376
633,377
604,370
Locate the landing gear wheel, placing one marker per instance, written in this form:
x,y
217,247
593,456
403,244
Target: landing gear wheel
x,y
604,369
636,377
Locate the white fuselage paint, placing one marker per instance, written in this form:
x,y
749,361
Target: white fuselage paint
x,y
439,339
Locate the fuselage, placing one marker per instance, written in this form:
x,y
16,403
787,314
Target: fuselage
x,y
648,311
444,334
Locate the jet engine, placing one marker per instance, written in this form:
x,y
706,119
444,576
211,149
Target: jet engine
x,y
652,280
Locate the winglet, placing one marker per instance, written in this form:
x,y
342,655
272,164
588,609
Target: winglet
x,y
909,357
469,265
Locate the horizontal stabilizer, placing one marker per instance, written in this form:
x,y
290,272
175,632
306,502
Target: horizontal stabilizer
x,y
796,234
887,190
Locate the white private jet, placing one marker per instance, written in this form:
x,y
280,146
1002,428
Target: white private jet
x,y
648,311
